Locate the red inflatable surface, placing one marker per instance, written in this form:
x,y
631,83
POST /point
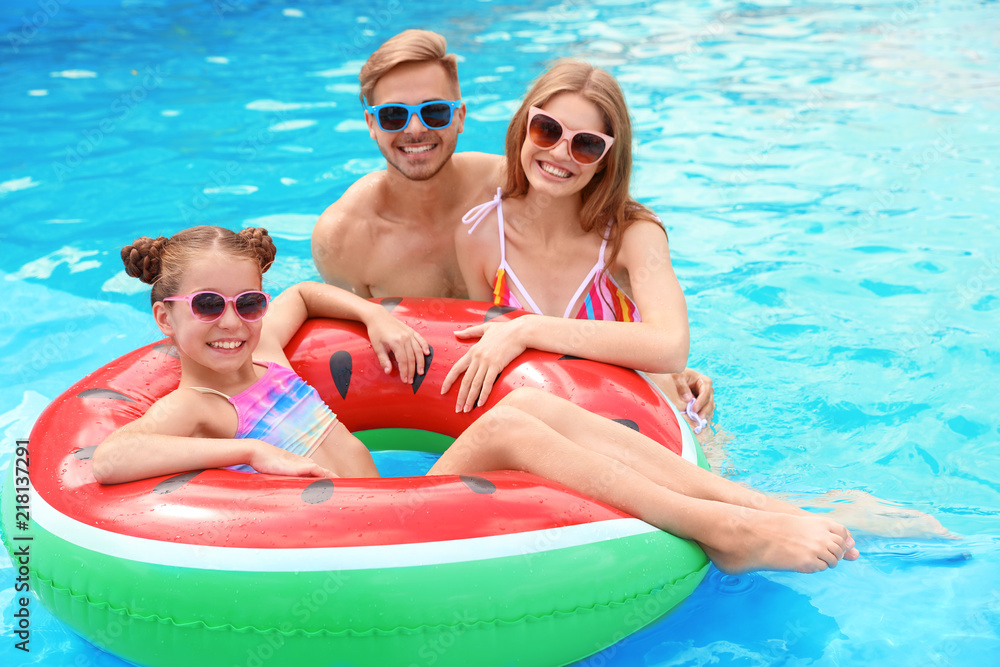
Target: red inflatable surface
x,y
224,508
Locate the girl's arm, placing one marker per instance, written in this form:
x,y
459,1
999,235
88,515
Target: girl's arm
x,y
658,344
294,306
164,441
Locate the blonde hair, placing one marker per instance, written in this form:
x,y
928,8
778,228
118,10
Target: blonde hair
x,y
409,46
606,197
161,262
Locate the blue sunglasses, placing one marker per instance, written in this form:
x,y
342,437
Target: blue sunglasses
x,y
394,117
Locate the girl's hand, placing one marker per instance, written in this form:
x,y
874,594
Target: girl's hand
x,y
273,460
387,334
499,345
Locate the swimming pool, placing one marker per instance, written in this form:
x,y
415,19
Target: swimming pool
x,y
827,172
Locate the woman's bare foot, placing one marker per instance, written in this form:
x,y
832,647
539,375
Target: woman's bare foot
x,y
863,511
755,540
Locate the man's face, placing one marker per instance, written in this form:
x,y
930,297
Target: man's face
x,y
416,152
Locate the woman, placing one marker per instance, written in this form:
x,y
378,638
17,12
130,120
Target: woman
x,y
565,240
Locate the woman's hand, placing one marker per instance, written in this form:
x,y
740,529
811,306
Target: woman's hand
x,y
273,460
692,385
387,334
500,343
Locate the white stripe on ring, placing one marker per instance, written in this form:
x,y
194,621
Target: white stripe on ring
x,y
240,559
689,447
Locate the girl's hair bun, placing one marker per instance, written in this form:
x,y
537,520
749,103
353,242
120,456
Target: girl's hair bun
x,y
162,262
142,258
261,245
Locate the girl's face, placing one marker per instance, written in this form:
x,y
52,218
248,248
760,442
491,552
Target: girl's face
x,y
552,170
226,345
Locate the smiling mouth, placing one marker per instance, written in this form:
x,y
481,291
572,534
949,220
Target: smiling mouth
x,y
554,170
227,344
417,150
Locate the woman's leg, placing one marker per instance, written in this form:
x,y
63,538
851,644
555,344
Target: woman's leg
x,y
736,538
630,448
667,469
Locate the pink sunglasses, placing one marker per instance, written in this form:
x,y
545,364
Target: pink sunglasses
x,y
210,306
585,146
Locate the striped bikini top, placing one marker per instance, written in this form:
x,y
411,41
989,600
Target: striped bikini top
x,y
605,300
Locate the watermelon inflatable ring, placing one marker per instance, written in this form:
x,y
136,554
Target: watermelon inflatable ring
x,y
215,567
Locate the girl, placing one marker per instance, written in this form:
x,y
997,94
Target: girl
x,y
239,403
206,296
581,247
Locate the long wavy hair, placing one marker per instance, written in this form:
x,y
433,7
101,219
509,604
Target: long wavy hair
x,y
606,197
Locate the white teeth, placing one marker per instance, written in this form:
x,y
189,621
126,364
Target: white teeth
x,y
227,344
555,171
413,150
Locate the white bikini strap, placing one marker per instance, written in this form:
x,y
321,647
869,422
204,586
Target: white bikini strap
x,y
580,290
520,288
591,276
476,214
206,390
604,245
503,235
508,271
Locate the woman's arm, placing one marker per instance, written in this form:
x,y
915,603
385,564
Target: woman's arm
x,y
163,441
479,256
294,306
658,344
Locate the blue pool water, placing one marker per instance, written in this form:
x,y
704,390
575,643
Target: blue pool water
x,y
827,170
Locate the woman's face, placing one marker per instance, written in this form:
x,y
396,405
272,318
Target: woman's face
x,y
552,170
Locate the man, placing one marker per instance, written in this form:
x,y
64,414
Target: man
x,y
391,233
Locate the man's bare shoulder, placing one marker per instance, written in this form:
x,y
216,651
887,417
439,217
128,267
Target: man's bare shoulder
x,y
339,239
358,201
481,166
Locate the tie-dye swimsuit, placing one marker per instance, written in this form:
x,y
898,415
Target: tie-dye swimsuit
x,y
605,300
282,410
